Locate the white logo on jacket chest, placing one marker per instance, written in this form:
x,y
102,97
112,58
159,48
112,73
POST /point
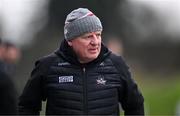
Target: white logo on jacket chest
x,y
63,64
64,79
101,81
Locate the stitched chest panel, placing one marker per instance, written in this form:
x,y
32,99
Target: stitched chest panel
x,y
75,91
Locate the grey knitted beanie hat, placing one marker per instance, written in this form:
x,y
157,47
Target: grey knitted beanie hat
x,y
81,21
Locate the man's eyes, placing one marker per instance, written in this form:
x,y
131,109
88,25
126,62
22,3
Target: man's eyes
x,y
99,34
90,36
86,37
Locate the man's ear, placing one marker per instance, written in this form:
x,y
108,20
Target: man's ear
x,y
69,43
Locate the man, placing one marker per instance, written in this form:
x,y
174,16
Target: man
x,y
82,77
8,98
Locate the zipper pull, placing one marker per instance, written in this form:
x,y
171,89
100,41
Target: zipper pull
x,y
84,69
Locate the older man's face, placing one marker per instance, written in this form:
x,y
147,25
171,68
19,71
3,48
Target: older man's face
x,y
87,47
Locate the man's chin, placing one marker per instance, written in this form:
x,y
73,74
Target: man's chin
x,y
94,56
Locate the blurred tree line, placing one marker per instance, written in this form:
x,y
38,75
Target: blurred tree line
x,y
159,56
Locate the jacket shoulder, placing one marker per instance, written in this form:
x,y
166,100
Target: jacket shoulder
x,y
47,58
119,62
43,63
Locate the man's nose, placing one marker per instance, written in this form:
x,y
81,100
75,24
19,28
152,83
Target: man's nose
x,y
94,40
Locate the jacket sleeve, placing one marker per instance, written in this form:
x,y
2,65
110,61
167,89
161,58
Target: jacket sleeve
x,y
132,101
33,93
130,97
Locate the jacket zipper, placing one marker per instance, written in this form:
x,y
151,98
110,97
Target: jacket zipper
x,y
85,91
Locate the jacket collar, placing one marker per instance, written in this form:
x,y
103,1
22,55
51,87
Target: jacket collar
x,y
67,53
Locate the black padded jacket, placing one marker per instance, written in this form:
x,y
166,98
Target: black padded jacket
x,y
71,88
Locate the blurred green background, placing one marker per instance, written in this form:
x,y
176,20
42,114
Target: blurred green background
x,y
161,94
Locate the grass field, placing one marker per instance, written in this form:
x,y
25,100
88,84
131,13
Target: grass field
x,y
161,94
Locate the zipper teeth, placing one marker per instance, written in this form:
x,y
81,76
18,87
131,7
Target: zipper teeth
x,y
85,91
